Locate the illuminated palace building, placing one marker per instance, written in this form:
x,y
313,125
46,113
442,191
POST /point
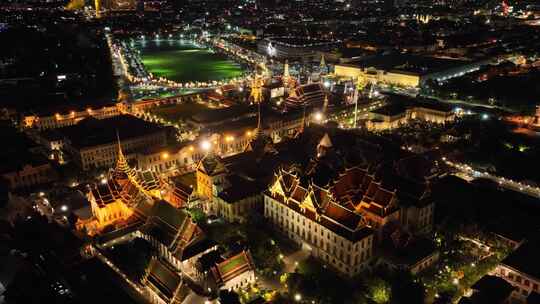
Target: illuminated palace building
x,y
406,70
348,198
117,196
334,193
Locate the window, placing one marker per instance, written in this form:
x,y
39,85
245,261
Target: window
x,y
535,286
527,283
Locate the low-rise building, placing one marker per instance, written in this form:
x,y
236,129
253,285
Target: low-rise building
x,y
234,203
92,143
522,269
164,284
401,110
28,172
48,120
21,167
234,273
405,70
489,289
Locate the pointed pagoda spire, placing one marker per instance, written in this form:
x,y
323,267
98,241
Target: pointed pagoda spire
x,y
323,62
259,140
259,130
286,73
122,169
256,89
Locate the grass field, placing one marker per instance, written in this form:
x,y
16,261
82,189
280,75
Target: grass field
x,y
182,61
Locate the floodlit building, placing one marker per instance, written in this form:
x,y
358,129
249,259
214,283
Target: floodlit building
x,y
306,95
47,120
405,70
311,216
115,198
401,112
92,142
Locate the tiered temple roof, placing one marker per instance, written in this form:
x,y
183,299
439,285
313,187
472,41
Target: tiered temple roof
x,y
172,227
308,94
232,267
165,281
319,204
125,184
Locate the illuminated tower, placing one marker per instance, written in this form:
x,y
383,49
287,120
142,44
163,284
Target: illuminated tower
x,y
322,65
286,73
256,89
97,4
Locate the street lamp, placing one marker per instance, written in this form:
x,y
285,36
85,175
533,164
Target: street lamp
x,y
298,297
318,116
206,145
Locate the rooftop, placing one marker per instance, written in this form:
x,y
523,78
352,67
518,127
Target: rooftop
x,y
417,65
525,259
94,132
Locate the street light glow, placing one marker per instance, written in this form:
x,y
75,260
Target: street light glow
x,y
206,145
298,297
318,116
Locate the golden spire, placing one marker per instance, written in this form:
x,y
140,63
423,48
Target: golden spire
x,y
286,73
122,170
256,89
259,130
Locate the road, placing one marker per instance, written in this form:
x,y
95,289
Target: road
x,y
468,173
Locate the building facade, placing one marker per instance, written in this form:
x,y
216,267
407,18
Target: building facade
x,y
58,120
521,269
29,175
312,218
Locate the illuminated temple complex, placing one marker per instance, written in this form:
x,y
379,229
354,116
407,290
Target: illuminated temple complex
x,y
123,193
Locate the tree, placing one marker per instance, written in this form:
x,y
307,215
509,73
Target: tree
x,y
197,215
229,297
379,290
405,290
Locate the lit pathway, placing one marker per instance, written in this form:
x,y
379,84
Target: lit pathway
x,y
133,285
292,260
469,173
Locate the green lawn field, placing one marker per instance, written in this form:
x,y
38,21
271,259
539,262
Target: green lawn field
x,y
182,61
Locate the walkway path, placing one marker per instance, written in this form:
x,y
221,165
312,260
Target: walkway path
x,y
468,173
